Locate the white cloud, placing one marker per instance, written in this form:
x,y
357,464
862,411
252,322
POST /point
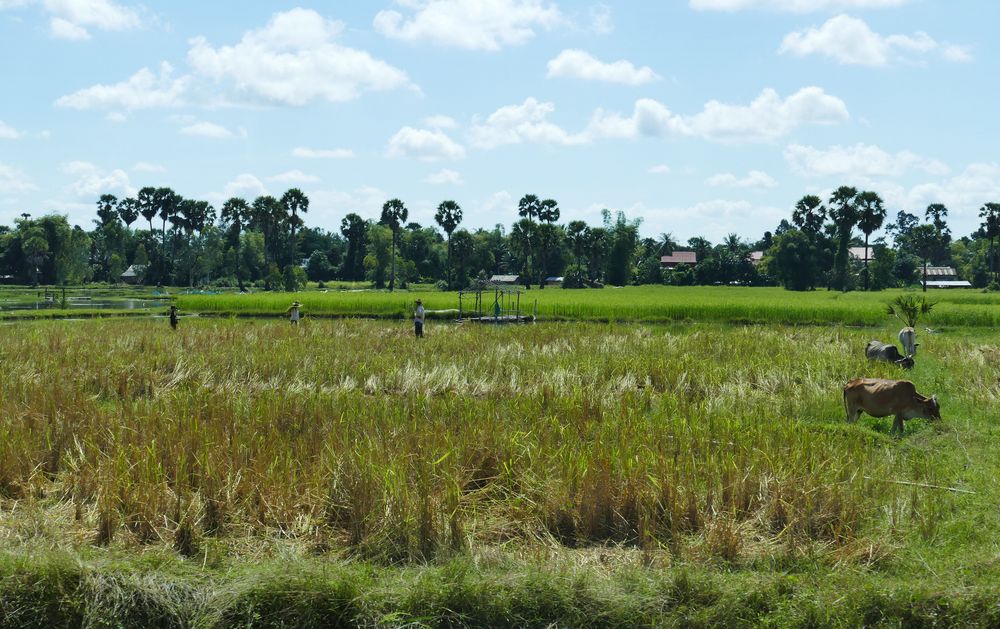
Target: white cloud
x,y
69,19
64,29
294,176
600,19
8,132
516,124
246,186
12,4
294,60
91,181
13,180
659,169
440,122
116,117
146,167
445,176
713,219
766,119
212,131
578,64
856,162
366,201
849,40
964,193
794,6
142,90
308,153
424,144
754,180
469,24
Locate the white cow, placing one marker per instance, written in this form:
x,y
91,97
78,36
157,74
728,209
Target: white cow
x,y
908,339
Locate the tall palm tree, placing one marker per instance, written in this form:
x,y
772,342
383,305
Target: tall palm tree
x,y
394,214
578,235
107,209
809,214
128,211
924,240
529,207
871,215
295,202
267,214
235,212
845,216
146,200
448,216
548,213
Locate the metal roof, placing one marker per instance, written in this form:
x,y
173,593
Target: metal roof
x,y
680,257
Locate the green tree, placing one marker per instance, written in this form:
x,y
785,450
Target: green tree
x,y
925,242
578,235
990,213
793,260
871,214
107,209
448,216
295,203
235,213
394,214
845,217
354,231
809,214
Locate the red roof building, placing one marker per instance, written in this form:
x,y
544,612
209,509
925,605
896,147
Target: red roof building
x,y
678,257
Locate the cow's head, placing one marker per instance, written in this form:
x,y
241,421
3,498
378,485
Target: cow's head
x,y
929,407
906,362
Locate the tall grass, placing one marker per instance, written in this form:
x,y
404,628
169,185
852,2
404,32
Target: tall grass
x,y
645,303
353,437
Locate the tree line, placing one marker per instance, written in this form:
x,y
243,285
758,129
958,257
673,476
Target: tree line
x,y
265,244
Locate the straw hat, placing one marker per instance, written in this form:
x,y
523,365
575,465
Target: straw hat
x,y
419,302
295,303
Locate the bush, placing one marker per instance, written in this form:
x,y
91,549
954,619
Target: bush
x,y
575,277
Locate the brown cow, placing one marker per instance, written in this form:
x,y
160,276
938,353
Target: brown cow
x,y
881,398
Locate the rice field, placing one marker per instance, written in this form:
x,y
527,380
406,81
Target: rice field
x,y
633,303
696,447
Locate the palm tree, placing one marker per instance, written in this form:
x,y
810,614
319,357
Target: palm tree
x,y
529,207
522,238
548,213
295,202
236,212
146,200
107,209
354,229
578,234
871,215
666,244
167,205
448,216
267,214
128,211
394,214
809,214
924,238
845,217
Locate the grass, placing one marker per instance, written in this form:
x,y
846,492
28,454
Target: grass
x,y
637,304
252,473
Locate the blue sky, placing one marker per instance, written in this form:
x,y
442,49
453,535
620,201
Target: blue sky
x,y
702,117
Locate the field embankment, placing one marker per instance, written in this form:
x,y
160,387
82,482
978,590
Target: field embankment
x,y
650,304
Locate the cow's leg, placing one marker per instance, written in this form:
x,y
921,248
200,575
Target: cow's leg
x,y
897,425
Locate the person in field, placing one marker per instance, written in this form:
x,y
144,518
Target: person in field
x,y
418,319
294,312
173,317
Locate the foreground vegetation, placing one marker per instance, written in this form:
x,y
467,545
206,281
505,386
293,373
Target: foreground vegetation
x,y
728,304
249,472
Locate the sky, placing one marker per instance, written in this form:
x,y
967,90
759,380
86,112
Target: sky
x,y
701,117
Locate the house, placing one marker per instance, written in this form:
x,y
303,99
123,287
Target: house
x,y
858,253
677,258
134,274
505,279
554,281
943,277
756,257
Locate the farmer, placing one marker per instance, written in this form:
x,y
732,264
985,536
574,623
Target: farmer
x,y
173,316
294,312
418,319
